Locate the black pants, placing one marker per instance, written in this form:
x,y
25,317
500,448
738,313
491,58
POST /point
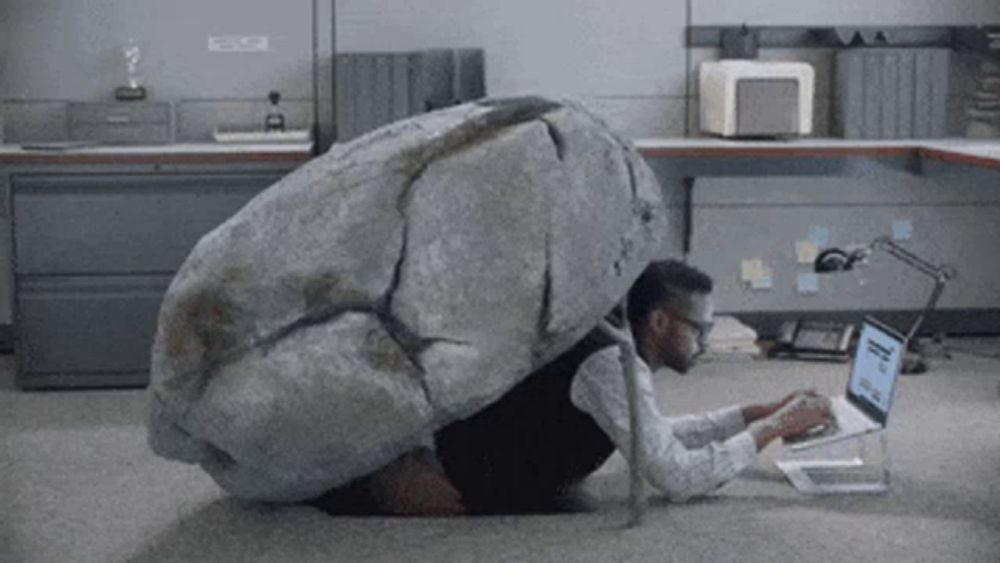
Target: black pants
x,y
518,454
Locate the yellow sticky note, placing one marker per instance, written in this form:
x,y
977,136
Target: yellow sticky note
x,y
752,270
806,251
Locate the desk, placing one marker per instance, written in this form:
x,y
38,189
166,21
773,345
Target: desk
x,y
985,154
98,233
734,199
179,153
695,157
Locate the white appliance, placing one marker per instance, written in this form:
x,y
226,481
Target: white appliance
x,y
750,98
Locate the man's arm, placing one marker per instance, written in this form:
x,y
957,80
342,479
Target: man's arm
x,y
671,466
697,430
678,469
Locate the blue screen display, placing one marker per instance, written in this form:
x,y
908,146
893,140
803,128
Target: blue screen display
x,y
876,366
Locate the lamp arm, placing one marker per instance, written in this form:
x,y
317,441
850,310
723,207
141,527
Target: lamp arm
x,y
940,274
943,273
931,302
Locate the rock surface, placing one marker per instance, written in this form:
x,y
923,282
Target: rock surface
x,y
391,286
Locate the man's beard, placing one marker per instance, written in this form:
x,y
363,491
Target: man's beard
x,y
680,364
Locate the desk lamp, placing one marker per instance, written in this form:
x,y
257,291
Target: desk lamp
x,y
837,260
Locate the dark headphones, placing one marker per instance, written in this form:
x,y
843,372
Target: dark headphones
x,y
836,260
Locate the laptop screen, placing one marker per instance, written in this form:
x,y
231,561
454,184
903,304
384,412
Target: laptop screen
x,y
876,366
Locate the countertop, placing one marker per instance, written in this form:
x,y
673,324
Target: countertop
x,y
982,153
178,153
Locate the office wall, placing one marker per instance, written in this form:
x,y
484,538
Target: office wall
x,y
953,219
56,51
845,12
625,59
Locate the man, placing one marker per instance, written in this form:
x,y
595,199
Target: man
x,y
562,422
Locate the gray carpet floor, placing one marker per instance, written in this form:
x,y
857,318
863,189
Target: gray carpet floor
x,y
78,484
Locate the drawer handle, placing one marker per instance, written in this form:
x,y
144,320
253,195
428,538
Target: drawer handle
x,y
118,119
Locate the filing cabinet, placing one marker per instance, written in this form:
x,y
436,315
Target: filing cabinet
x,y
94,255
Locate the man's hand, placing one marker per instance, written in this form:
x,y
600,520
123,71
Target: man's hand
x,y
753,413
797,415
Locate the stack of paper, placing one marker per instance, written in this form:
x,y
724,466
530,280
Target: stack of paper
x,y
731,340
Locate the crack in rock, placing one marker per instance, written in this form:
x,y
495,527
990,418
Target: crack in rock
x,y
633,182
397,273
558,139
504,113
410,342
317,316
545,314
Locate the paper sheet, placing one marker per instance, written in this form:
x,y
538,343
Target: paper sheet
x,y
902,230
820,236
751,270
756,274
806,251
808,284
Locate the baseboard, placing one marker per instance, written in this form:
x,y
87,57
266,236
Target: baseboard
x,y
44,381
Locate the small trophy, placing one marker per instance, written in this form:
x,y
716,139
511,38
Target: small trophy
x,y
134,90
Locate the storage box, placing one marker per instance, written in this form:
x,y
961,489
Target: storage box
x,y
125,123
749,98
374,89
891,93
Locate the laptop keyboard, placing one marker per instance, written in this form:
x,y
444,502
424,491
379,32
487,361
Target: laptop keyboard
x,y
820,432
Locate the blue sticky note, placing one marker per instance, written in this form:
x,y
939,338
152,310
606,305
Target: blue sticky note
x,y
820,235
902,230
808,283
764,282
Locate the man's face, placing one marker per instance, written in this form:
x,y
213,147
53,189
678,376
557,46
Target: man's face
x,y
686,337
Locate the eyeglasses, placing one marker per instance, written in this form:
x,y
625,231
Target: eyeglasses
x,y
702,329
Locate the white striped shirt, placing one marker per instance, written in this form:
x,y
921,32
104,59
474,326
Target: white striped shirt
x,y
685,455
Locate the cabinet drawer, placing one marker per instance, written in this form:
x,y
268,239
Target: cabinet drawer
x,y
80,326
132,112
122,133
121,224
133,123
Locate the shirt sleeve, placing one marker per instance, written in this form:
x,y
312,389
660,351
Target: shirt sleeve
x,y
673,465
697,430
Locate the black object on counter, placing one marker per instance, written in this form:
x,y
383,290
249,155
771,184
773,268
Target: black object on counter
x,y
275,120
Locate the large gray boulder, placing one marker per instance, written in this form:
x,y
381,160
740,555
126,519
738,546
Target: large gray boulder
x,y
391,286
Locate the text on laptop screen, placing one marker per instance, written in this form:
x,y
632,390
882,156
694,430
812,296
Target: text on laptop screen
x,y
876,365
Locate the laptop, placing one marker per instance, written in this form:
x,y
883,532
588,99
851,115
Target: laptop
x,y
864,407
